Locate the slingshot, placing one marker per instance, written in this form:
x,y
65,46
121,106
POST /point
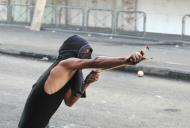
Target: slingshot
x,y
142,52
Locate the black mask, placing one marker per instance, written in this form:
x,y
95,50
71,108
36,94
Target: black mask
x,y
73,47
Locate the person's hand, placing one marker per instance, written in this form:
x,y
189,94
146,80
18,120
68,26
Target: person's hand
x,y
136,58
93,76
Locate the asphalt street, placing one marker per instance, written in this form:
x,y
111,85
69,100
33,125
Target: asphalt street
x,y
117,100
170,57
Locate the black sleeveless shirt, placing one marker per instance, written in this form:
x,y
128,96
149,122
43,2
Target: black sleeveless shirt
x,y
40,106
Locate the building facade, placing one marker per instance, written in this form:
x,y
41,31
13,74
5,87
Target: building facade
x,y
162,16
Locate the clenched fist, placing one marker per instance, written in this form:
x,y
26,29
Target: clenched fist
x,y
136,58
93,76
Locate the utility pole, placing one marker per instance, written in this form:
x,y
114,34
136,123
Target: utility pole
x,y
38,15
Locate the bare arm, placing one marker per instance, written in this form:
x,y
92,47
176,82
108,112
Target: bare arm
x,y
70,98
66,69
101,62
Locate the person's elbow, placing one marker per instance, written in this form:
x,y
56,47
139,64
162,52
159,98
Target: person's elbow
x,y
68,103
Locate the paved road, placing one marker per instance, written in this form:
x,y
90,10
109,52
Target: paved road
x,y
168,60
49,42
117,100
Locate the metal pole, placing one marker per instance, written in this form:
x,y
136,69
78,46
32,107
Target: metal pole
x,y
183,25
31,10
66,13
135,15
144,24
116,21
83,18
113,21
9,12
87,18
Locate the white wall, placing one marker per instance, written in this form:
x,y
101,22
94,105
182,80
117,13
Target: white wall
x,y
103,18
187,31
165,16
106,4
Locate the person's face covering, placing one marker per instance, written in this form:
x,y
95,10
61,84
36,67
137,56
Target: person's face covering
x,y
75,46
85,53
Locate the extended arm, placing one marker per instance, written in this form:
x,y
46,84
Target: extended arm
x,y
101,62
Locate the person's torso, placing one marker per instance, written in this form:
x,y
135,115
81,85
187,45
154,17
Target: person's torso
x,y
58,78
40,106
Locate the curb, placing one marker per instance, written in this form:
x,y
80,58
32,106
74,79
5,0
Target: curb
x,y
28,54
152,71
140,40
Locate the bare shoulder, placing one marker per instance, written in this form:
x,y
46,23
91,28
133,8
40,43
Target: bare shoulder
x,y
61,68
69,61
75,63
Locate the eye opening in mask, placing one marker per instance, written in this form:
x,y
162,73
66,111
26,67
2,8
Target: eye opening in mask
x,y
86,53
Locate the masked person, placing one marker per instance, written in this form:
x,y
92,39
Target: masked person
x,y
63,80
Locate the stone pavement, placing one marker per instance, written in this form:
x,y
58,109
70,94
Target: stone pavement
x,y
170,56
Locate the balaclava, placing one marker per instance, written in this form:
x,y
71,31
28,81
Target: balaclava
x,y
73,47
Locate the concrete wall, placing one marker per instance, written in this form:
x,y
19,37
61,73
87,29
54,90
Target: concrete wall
x,y
3,1
106,4
103,18
20,1
3,10
165,16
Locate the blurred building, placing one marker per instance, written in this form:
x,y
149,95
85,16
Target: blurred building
x,y
158,16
